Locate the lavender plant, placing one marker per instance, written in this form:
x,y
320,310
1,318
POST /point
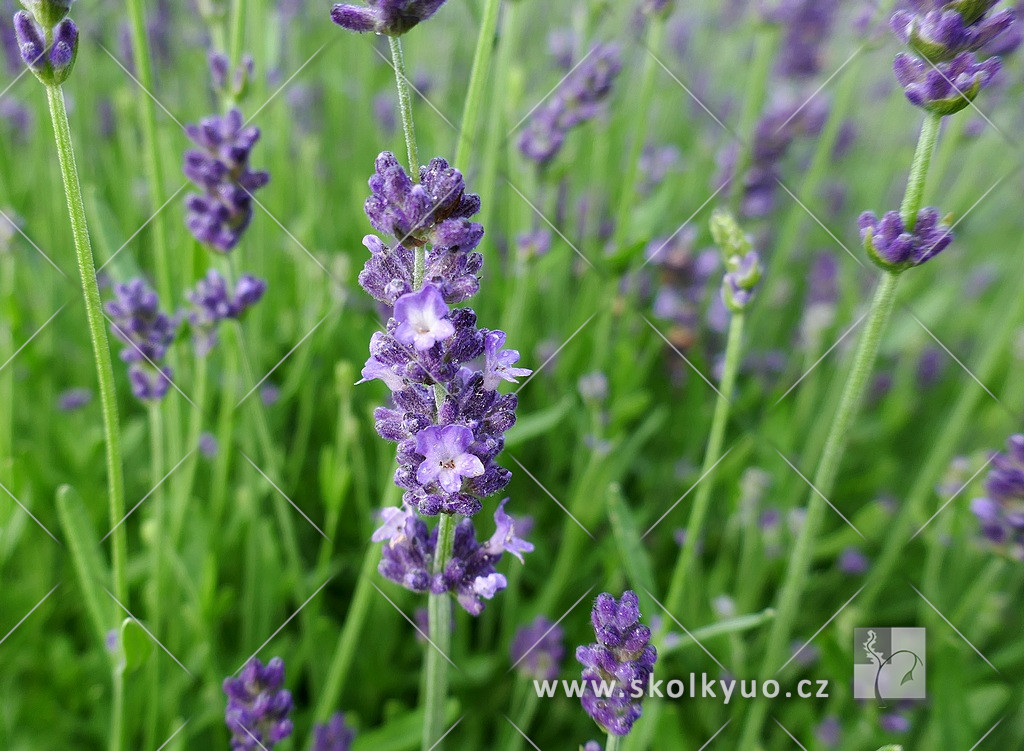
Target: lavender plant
x,y
49,47
622,659
898,242
448,418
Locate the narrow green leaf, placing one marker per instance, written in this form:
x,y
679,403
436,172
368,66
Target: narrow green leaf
x,y
537,424
631,548
401,734
136,645
90,566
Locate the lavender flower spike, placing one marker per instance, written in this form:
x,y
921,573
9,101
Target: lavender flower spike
x,y
212,302
220,168
258,708
336,735
147,332
391,17
893,247
1000,512
948,87
50,65
622,658
538,649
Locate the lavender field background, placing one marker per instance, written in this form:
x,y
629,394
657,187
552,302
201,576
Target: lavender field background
x,y
717,385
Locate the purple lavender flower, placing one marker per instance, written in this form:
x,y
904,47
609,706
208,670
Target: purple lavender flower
x,y
829,732
72,400
422,319
212,302
51,64
335,735
137,321
892,246
808,26
499,364
1000,512
579,98
945,88
220,167
208,445
258,708
533,244
391,17
538,649
231,84
407,557
433,212
941,33
852,561
446,460
591,746
622,657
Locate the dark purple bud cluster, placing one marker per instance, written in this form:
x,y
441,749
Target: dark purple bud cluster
x,y
807,27
407,557
136,320
950,42
579,98
258,708
895,247
51,64
220,168
622,659
335,735
783,121
447,416
212,302
433,212
390,17
1001,512
538,650
231,84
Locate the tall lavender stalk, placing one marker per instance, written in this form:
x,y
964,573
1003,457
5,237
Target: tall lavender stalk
x,y
942,75
49,47
448,418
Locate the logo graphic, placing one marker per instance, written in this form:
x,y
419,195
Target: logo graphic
x,y
888,663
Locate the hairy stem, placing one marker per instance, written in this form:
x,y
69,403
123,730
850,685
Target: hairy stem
x,y
405,105
797,572
713,454
104,372
439,611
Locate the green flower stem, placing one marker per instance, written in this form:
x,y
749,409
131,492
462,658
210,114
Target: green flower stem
x,y
405,106
713,454
104,372
612,744
761,69
524,719
914,197
477,80
439,613
797,573
911,513
237,32
824,479
157,555
654,36
151,148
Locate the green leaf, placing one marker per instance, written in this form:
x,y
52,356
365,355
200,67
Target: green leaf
x,y
537,424
136,645
401,734
90,567
631,548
